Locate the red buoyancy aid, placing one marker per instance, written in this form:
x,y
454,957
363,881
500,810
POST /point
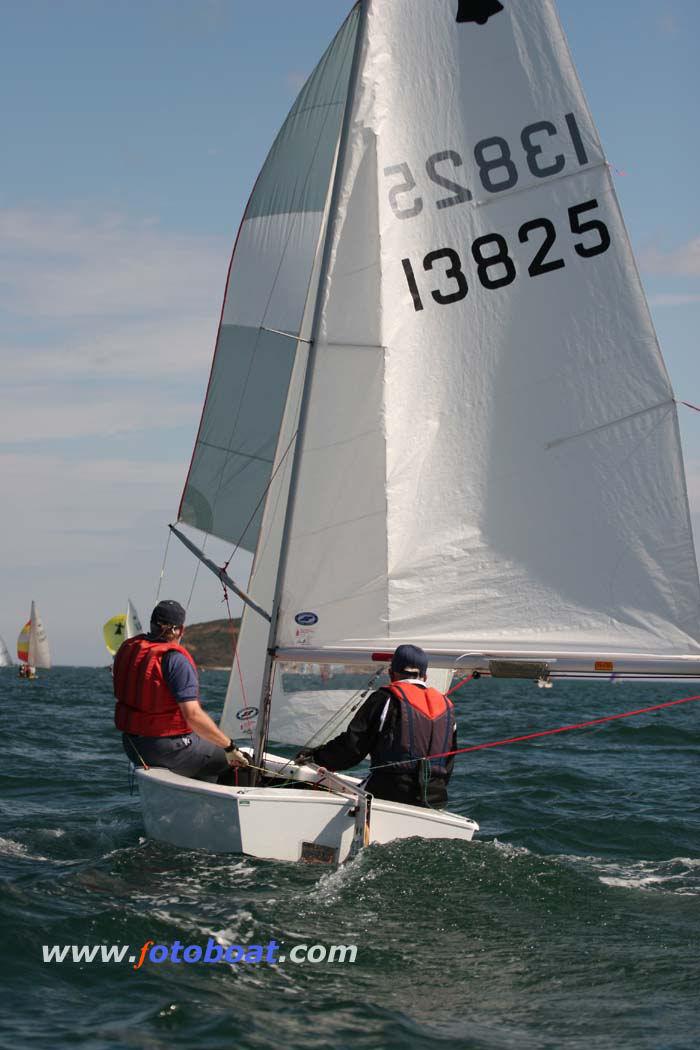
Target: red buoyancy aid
x,y
426,727
145,706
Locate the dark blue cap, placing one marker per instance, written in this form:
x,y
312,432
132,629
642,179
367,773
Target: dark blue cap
x,y
168,613
409,658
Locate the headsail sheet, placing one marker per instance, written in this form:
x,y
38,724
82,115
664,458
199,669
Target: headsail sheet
x,y
263,308
492,454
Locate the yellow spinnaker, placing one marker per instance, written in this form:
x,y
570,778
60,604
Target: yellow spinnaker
x,y
115,632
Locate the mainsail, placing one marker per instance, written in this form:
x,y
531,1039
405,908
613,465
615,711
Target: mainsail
x,y
488,458
491,456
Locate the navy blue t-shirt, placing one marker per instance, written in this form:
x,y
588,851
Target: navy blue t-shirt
x,y
180,676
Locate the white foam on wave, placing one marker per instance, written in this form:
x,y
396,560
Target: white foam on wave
x,y
508,850
12,848
679,875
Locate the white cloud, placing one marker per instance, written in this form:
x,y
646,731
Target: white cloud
x,y
60,266
111,303
37,414
125,349
674,299
683,261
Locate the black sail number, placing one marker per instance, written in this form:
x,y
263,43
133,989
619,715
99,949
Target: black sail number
x,y
459,193
538,265
453,272
495,267
596,226
500,258
407,184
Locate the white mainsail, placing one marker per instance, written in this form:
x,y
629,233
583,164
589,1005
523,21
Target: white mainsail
x,y
133,623
491,457
5,658
38,653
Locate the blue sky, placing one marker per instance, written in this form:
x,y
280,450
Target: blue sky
x,y
132,133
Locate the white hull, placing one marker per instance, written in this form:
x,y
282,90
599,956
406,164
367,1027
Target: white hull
x,y
277,823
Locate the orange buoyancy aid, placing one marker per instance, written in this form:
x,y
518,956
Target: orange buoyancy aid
x,y
425,728
145,706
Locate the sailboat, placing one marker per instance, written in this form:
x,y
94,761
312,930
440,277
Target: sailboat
x,y
120,627
33,646
437,414
5,658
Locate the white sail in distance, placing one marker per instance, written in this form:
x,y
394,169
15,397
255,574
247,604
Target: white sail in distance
x,y
133,623
491,457
38,654
5,658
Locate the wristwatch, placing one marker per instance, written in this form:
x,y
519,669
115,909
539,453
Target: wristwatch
x,y
231,746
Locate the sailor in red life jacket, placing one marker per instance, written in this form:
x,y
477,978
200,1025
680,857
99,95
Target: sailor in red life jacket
x,y
399,726
158,710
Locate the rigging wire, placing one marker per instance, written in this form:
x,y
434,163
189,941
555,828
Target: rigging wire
x,y
162,568
196,574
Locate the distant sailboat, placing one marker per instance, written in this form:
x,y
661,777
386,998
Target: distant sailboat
x,y
120,627
5,658
33,646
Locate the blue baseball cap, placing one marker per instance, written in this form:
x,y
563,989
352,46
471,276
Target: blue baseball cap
x,y
409,658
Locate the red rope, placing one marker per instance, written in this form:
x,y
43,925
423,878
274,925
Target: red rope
x,y
564,729
549,732
454,687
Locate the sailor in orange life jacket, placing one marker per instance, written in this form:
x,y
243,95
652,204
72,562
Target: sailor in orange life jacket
x,y
398,726
158,710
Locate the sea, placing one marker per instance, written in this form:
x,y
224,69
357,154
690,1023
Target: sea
x,y
571,921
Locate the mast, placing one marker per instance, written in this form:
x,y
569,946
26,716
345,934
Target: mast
x,y
266,694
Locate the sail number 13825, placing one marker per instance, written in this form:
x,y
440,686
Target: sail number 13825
x,y
495,267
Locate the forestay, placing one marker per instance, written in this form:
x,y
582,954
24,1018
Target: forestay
x,y
491,456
